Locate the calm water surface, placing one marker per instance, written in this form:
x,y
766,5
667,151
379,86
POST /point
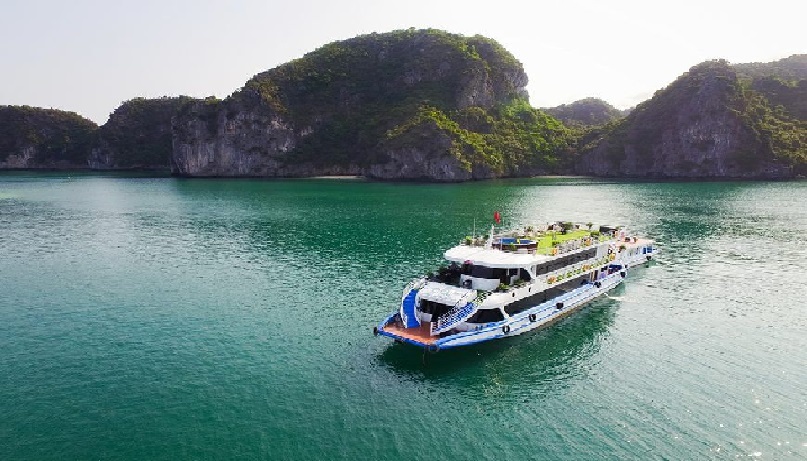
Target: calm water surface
x,y
197,319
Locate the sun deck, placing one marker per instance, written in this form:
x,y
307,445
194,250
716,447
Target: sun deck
x,y
525,250
637,243
419,334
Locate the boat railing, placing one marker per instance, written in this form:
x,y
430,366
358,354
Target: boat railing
x,y
462,309
558,248
571,271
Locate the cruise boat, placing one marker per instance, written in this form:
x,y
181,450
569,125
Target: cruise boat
x,y
507,283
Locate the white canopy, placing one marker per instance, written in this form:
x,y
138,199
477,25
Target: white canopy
x,y
490,257
446,294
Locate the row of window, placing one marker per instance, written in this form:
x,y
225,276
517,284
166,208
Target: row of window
x,y
564,261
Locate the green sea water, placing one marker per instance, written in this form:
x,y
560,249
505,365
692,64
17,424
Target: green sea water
x,y
166,319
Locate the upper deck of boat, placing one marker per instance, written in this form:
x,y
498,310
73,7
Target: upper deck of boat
x,y
512,251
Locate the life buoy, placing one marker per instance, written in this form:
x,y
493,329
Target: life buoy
x,y
506,329
612,257
533,317
554,251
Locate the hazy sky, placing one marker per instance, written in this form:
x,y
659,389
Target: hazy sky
x,y
89,56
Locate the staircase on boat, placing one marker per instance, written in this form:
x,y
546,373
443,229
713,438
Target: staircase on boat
x,y
458,314
408,315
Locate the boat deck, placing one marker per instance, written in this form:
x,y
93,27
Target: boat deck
x,y
637,243
419,334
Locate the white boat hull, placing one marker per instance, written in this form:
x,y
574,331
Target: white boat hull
x,y
531,319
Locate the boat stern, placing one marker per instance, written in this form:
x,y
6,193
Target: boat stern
x,y
419,335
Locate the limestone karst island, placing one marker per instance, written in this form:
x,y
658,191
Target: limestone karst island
x,y
435,106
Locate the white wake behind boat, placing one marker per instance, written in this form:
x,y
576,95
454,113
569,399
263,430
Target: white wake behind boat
x,y
512,282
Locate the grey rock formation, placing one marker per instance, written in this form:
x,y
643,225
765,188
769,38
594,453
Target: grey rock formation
x,y
692,129
268,128
231,141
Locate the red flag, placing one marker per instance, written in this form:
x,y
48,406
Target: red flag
x,y
497,217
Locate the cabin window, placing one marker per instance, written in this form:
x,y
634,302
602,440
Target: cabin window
x,y
486,316
484,272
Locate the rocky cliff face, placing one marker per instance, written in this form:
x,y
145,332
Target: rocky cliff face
x,y
137,135
332,112
706,124
232,138
31,137
426,104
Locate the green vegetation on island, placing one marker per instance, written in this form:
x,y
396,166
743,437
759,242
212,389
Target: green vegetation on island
x,y
585,113
138,134
44,137
357,99
428,104
505,138
792,68
715,120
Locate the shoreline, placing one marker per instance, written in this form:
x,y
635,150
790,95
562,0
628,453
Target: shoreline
x,y
339,177
162,173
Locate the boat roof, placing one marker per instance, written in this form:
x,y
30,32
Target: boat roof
x,y
534,247
491,257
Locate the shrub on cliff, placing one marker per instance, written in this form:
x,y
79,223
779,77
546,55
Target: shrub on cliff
x,y
138,133
55,136
506,138
713,121
585,113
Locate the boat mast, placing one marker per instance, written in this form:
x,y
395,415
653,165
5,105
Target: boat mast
x,y
489,243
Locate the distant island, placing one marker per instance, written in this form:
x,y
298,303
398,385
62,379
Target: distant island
x,y
716,121
586,113
431,105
